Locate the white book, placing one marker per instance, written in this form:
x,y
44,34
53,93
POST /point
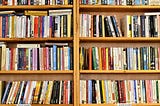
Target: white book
x,y
152,13
12,93
7,59
97,25
28,27
26,91
83,91
60,92
69,85
33,86
3,61
28,45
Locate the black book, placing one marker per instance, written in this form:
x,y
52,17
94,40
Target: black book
x,y
71,92
101,92
52,101
94,91
94,26
152,25
100,26
152,58
108,32
115,26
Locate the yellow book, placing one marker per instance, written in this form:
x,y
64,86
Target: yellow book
x,y
35,13
103,92
129,21
69,25
103,30
66,2
35,97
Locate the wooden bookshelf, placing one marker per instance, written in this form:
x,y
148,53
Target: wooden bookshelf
x,y
119,11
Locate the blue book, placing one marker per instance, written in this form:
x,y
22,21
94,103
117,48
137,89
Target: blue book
x,y
54,57
106,88
89,91
3,26
137,2
135,92
111,2
6,93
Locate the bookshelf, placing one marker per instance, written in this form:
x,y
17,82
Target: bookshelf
x,y
87,42
76,74
42,75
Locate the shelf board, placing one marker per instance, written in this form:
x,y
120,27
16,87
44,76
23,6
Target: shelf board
x,y
110,8
39,105
120,39
35,7
139,104
120,75
36,75
69,39
120,71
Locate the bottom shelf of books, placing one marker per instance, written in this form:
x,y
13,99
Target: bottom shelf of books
x,y
120,92
37,92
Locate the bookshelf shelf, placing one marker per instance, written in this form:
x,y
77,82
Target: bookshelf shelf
x,y
140,104
111,8
36,75
70,39
35,7
120,71
119,39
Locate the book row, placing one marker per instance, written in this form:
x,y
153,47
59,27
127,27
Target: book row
x,y
119,58
146,25
37,92
119,91
21,26
99,26
141,26
36,2
34,57
120,2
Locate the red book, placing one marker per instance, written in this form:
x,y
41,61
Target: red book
x,y
90,58
36,26
103,51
